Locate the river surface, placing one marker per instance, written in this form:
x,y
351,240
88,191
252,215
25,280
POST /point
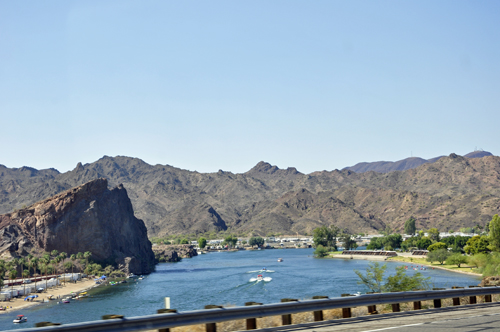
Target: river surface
x,y
221,278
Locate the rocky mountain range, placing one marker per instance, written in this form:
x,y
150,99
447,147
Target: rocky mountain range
x,y
89,217
449,193
403,165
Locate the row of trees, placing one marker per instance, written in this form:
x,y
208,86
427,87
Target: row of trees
x,y
231,241
46,264
325,240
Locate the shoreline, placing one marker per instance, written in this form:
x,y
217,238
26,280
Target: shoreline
x,y
58,291
395,259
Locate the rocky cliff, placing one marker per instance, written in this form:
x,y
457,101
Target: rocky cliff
x,y
85,218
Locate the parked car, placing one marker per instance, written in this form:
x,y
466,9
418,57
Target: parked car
x,y
26,281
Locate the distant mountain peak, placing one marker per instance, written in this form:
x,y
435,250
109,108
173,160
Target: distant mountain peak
x,y
407,163
263,167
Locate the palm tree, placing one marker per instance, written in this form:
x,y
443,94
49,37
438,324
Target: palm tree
x,y
44,264
12,277
54,253
80,257
33,263
3,268
26,274
22,262
72,257
62,257
68,265
87,255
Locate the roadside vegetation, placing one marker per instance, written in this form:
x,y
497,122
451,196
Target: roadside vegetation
x,y
479,253
374,278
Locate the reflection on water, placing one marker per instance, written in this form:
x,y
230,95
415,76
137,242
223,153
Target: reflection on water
x,y
222,279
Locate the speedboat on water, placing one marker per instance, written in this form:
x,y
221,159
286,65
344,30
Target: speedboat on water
x,y
20,319
260,277
280,259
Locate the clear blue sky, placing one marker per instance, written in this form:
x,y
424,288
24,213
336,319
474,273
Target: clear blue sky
x,y
209,85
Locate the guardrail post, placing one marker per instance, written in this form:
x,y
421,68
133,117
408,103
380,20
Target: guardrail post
x,y
456,300
437,302
372,309
211,327
487,298
417,305
346,312
165,311
395,307
287,319
472,299
252,322
318,315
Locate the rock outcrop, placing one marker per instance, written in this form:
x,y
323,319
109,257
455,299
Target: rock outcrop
x,y
490,281
86,218
174,253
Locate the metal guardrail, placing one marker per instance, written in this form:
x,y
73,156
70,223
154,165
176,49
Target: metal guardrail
x,y
207,316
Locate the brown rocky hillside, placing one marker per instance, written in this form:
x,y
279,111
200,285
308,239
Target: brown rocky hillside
x,y
450,193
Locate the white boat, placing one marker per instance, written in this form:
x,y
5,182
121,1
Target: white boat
x,y
20,319
131,276
280,259
260,277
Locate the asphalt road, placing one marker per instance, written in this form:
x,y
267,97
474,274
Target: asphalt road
x,y
477,317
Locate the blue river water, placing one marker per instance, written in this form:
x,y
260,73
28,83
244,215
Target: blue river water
x,y
221,278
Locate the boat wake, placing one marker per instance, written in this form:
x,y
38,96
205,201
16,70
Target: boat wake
x,y
265,279
260,271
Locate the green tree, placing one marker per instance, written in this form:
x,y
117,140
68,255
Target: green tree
x,y
424,243
439,255
72,259
68,265
108,269
456,259
401,282
376,243
393,241
87,255
320,251
12,277
410,227
202,242
54,253
256,241
3,269
478,260
433,234
436,246
494,237
348,242
374,276
26,274
230,241
326,237
477,244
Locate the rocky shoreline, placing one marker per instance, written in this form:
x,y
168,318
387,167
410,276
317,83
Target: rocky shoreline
x,y
173,252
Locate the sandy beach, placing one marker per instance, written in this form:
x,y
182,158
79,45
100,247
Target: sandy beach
x,y
61,291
